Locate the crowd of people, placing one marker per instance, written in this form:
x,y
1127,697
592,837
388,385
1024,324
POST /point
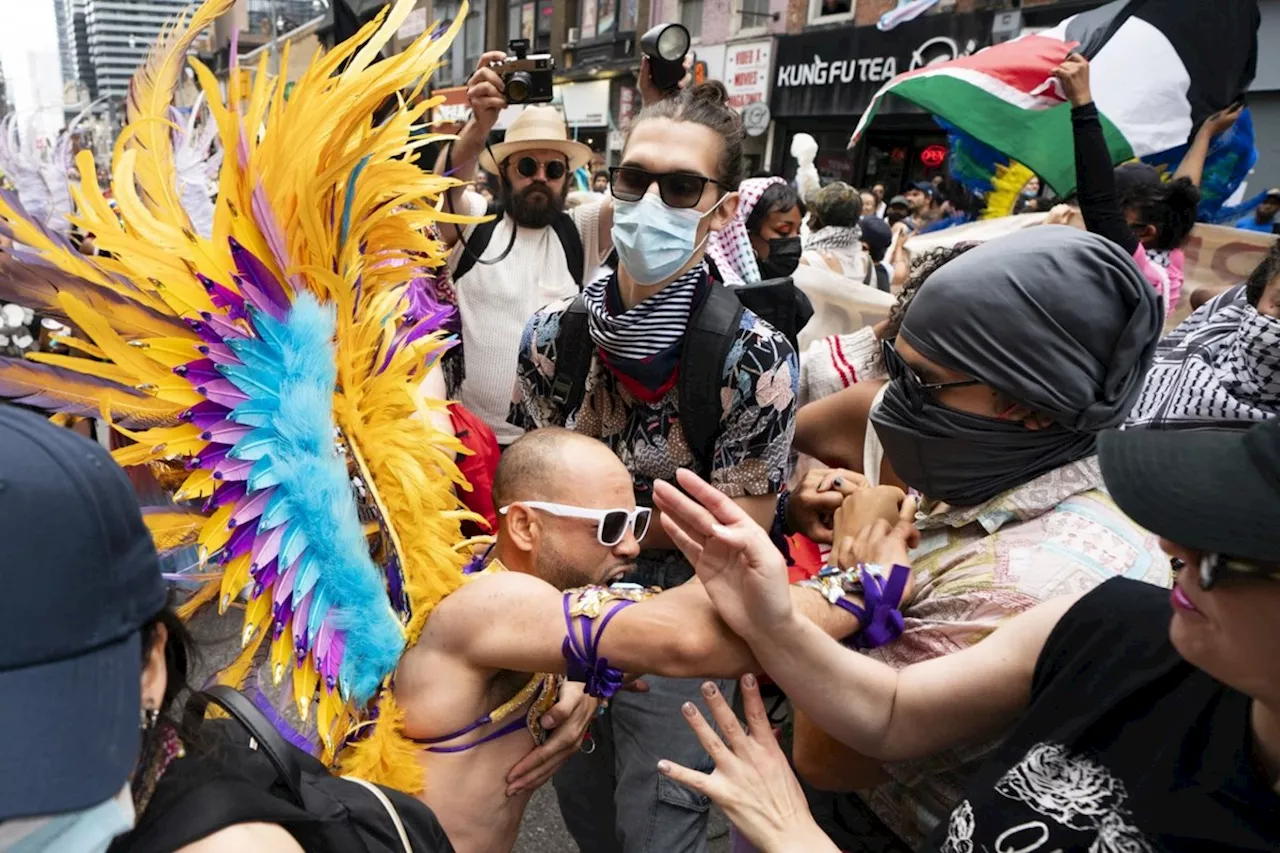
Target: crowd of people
x,y
1009,554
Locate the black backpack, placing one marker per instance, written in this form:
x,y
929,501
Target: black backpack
x,y
563,225
269,780
712,329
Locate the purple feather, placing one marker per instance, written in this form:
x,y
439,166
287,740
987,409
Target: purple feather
x,y
239,544
11,199
199,371
281,613
333,661
209,458
266,548
208,335
232,469
224,392
278,722
300,614
256,273
250,507
223,495
265,576
24,382
205,415
265,218
225,432
221,326
219,353
222,297
259,300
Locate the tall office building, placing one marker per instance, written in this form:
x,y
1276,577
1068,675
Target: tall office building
x,y
78,82
119,33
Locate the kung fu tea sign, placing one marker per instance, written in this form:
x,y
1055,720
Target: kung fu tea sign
x,y
838,71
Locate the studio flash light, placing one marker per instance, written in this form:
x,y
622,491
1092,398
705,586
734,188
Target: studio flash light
x,y
666,46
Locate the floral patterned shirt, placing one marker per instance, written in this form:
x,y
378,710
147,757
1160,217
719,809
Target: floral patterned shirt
x,y
757,401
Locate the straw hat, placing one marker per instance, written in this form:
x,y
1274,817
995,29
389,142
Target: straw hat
x,y
536,127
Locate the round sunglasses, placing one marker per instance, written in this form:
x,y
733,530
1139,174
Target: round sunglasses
x,y
611,524
553,169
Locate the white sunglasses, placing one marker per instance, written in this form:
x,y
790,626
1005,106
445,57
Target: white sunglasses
x,y
611,524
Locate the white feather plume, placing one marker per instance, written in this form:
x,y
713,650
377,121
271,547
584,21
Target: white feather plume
x,y
197,159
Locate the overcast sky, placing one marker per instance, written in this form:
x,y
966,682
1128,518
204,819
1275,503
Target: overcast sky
x,y
29,57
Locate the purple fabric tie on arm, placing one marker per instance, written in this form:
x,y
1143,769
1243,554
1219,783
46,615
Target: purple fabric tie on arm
x,y
880,618
581,663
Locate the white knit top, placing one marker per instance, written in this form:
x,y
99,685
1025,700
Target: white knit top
x,y
495,302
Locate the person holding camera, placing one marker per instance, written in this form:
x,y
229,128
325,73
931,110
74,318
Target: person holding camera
x,y
535,251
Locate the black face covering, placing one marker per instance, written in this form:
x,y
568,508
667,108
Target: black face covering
x,y
966,459
1056,319
784,257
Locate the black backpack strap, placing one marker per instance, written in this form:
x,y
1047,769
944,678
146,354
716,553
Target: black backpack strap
x,y
711,333
574,349
574,255
474,246
270,742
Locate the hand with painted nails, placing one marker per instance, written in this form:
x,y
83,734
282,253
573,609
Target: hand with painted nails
x,y
744,575
811,507
567,722
753,782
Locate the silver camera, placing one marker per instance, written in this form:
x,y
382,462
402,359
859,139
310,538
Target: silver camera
x,y
526,79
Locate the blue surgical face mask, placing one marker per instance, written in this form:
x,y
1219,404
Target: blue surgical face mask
x,y
89,830
655,241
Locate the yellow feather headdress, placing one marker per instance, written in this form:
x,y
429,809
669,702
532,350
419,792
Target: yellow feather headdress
x,y
279,360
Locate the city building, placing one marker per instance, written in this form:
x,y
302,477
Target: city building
x,y
118,35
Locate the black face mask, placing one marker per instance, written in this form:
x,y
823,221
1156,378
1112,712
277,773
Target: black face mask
x,y
784,257
963,459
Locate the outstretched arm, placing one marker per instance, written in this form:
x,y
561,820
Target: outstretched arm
x,y
513,621
880,712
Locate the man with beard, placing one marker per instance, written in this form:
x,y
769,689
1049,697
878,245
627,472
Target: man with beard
x,y
536,252
467,688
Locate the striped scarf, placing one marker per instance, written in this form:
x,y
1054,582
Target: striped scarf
x,y
642,346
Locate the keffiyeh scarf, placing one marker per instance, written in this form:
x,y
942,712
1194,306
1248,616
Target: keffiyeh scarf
x,y
1221,364
730,247
642,346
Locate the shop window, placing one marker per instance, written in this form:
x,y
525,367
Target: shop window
x,y
459,61
753,15
588,24
691,17
530,19
823,11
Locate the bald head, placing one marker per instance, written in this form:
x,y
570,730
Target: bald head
x,y
557,465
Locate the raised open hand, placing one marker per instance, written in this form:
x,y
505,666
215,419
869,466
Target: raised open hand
x,y
752,782
742,571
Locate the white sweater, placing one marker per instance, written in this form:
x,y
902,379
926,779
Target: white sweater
x,y
495,301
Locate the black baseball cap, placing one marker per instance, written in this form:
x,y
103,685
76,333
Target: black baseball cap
x,y
1216,491
925,187
1130,177
81,578
877,235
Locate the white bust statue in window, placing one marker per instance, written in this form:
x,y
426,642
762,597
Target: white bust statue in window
x,y
804,148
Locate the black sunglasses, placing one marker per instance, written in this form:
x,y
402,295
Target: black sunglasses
x,y
913,389
528,167
677,189
1217,567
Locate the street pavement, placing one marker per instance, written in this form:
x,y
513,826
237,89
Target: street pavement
x,y
542,830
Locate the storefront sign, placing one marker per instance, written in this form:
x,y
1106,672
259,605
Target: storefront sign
x,y
934,156
585,104
755,118
455,109
838,71
746,72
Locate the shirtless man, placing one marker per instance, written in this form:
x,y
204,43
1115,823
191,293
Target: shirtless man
x,y
483,641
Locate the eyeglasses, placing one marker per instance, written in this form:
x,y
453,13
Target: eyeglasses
x,y
913,388
528,168
611,524
1216,567
677,189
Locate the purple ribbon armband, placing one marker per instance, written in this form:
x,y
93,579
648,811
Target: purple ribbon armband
x,y
582,645
879,617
